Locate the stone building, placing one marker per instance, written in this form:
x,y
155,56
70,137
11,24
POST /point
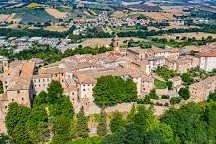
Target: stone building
x,y
208,60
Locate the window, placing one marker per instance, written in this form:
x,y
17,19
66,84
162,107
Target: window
x,y
22,99
43,80
83,89
12,100
18,91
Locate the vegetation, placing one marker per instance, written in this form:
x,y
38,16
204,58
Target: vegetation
x,y
117,122
102,126
172,43
160,84
169,85
212,97
187,79
192,123
175,100
50,118
165,73
152,94
82,129
1,87
34,5
4,139
50,54
111,90
184,93
89,140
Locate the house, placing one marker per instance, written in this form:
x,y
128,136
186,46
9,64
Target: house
x,y
208,60
200,91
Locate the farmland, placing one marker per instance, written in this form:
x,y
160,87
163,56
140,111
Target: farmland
x,y
56,13
151,15
56,28
105,41
30,15
198,35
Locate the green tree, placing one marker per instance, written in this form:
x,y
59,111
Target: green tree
x,y
82,129
40,99
175,100
210,118
187,78
145,118
131,114
163,134
212,97
130,134
184,93
4,139
188,124
16,118
37,125
55,91
102,126
169,85
153,95
111,90
117,122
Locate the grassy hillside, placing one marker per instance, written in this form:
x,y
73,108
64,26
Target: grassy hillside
x,y
30,15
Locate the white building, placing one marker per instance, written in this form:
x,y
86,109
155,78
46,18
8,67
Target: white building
x,y
208,60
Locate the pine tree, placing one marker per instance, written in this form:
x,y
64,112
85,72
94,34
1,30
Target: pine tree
x,y
117,122
102,126
82,129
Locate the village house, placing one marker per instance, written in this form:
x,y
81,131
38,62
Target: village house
x,y
201,90
208,60
18,87
177,85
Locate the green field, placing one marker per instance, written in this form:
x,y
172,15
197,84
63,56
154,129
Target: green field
x,y
30,15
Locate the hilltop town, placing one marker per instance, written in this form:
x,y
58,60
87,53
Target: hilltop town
x,y
23,79
107,72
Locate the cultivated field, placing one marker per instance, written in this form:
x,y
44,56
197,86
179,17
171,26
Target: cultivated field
x,y
178,26
198,35
9,18
93,42
151,15
158,15
56,13
56,28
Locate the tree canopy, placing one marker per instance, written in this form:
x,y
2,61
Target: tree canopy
x,y
50,118
111,90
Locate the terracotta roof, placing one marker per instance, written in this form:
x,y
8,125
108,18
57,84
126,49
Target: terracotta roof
x,y
20,76
41,76
209,54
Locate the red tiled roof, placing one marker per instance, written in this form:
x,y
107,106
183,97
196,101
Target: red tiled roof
x,y
209,54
